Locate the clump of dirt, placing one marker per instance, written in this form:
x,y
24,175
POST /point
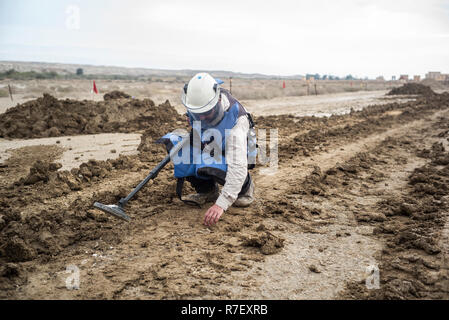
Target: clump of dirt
x,y
412,88
40,171
18,250
11,275
284,208
436,153
45,175
50,117
318,183
267,242
116,94
314,184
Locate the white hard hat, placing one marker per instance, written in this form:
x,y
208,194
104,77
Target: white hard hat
x,y
201,94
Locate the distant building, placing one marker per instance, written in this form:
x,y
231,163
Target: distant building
x,y
438,76
393,78
434,75
416,78
403,77
380,78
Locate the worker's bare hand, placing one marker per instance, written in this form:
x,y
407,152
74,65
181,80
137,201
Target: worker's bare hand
x,y
212,215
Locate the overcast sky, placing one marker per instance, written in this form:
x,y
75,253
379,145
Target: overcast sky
x,y
358,37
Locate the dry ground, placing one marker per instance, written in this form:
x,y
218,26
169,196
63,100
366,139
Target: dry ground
x,y
160,89
360,189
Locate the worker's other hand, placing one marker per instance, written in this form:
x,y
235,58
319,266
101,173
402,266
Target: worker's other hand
x,y
212,215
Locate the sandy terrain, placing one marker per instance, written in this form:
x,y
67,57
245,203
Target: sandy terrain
x,y
352,191
160,89
82,89
320,105
79,149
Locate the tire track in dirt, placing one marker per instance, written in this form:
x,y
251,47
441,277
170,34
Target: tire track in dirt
x,y
318,262
413,223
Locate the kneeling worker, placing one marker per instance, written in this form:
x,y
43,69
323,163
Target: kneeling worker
x,y
214,107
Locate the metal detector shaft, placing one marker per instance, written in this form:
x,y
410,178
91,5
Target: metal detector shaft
x,y
153,173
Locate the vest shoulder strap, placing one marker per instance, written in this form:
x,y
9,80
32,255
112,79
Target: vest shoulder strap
x,y
242,110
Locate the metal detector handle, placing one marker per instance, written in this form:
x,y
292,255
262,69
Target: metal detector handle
x,y
153,173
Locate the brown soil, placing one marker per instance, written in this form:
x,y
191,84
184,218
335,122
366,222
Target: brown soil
x,y
50,117
116,95
385,168
412,88
413,263
17,166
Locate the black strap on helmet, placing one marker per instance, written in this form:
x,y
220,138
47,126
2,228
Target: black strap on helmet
x,y
251,121
187,85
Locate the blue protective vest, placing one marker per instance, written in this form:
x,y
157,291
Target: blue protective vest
x,y
204,159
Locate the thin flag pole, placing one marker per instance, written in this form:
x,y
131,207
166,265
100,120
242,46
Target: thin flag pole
x,y
94,89
10,93
230,85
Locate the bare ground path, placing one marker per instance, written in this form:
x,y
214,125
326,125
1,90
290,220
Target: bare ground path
x,y
166,252
320,105
317,264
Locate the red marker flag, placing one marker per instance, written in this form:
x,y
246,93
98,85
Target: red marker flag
x,y
95,88
283,84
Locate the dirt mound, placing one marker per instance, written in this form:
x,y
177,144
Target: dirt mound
x,y
50,117
40,171
17,250
435,85
38,233
46,174
412,88
116,95
266,241
11,275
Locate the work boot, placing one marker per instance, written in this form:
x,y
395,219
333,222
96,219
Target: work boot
x,y
202,198
247,198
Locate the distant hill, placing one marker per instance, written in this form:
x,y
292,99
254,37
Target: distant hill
x,y
62,68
